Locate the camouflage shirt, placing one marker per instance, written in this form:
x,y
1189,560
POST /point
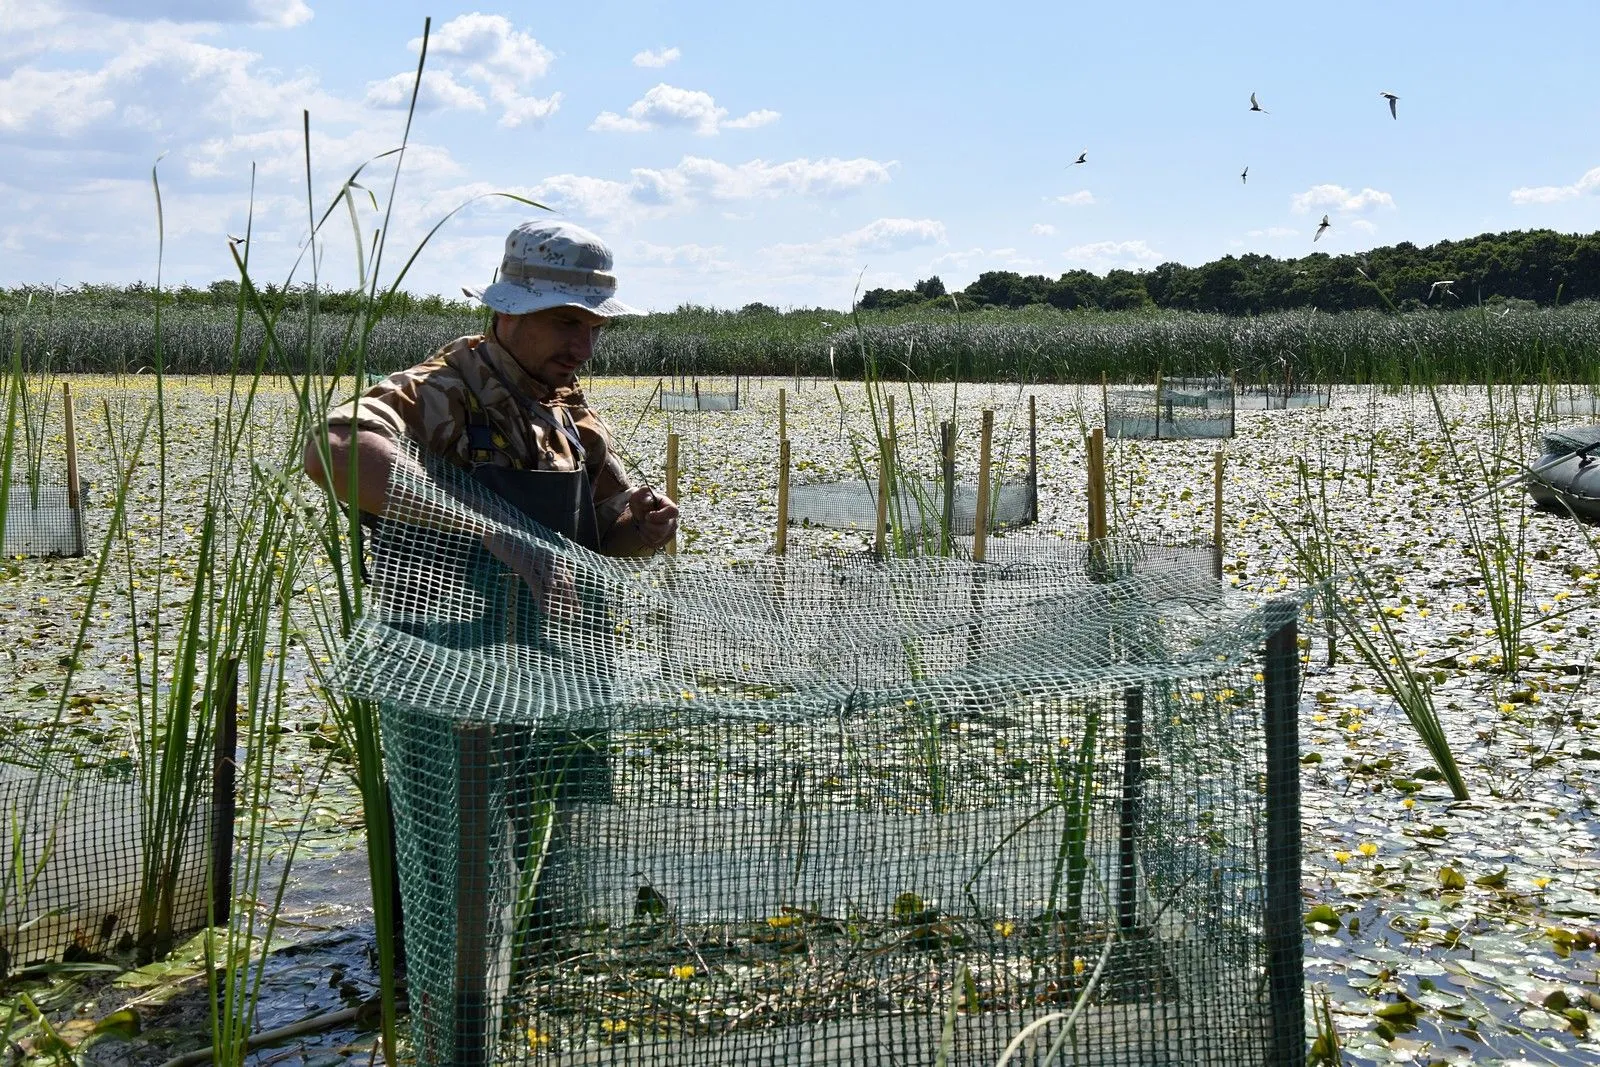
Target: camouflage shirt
x,y
531,426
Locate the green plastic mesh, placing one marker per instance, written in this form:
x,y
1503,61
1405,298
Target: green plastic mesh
x,y
1177,409
1282,396
854,505
698,400
829,810
84,869
40,520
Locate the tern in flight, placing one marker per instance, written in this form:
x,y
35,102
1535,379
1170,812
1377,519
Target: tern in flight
x,y
1324,225
1254,106
1083,157
1445,285
1393,99
1244,176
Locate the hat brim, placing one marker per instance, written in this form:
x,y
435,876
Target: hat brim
x,y
516,298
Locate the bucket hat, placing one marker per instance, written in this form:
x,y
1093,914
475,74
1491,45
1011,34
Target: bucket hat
x,y
554,264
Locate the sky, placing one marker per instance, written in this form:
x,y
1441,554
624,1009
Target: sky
x,y
780,153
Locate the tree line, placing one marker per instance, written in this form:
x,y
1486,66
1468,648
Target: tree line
x,y
1541,267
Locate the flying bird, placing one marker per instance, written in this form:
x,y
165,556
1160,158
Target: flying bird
x,y
1445,285
1254,106
1083,157
1324,225
1244,176
1393,99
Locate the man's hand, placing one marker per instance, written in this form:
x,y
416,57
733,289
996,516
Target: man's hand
x,y
544,572
655,517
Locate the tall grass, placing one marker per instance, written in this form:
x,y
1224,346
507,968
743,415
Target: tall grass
x,y
1525,345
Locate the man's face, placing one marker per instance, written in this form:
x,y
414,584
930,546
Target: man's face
x,y
551,345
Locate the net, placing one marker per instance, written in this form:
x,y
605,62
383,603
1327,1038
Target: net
x,y
42,520
1282,396
919,507
91,863
697,399
831,810
1175,409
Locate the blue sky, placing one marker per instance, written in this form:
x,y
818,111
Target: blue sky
x,y
736,152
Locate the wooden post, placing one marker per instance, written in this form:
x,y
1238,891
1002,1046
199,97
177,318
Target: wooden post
x,y
697,394
1128,820
1105,401
224,773
1033,458
1283,904
1217,463
783,414
1099,526
672,484
781,545
886,476
947,440
1158,405
980,527
72,446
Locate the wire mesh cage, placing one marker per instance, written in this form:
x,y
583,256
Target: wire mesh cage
x,y
694,395
1175,409
44,519
917,505
94,860
1285,395
838,811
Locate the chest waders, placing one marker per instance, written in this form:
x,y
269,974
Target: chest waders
x,y
518,882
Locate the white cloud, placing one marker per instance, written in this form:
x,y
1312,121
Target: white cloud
x,y
525,110
660,58
1328,197
1081,198
440,92
704,259
881,235
695,180
1555,194
278,13
1043,229
762,117
1273,231
1363,226
491,52
665,106
1103,255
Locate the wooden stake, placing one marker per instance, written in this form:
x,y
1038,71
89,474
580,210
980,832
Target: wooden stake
x,y
1097,482
224,766
947,438
1158,405
1217,464
672,484
783,415
781,545
72,446
697,394
1033,458
980,528
886,460
1105,401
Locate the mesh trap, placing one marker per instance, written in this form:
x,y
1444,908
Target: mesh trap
x,y
1175,409
825,811
42,520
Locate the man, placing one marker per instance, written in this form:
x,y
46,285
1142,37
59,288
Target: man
x,y
506,406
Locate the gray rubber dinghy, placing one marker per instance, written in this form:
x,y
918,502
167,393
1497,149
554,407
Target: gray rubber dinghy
x,y
1567,474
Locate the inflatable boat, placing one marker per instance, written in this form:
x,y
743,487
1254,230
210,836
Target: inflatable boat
x,y
1567,476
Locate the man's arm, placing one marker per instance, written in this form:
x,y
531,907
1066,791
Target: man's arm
x,y
646,524
374,462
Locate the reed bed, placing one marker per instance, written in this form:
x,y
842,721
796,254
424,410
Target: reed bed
x,y
1462,346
